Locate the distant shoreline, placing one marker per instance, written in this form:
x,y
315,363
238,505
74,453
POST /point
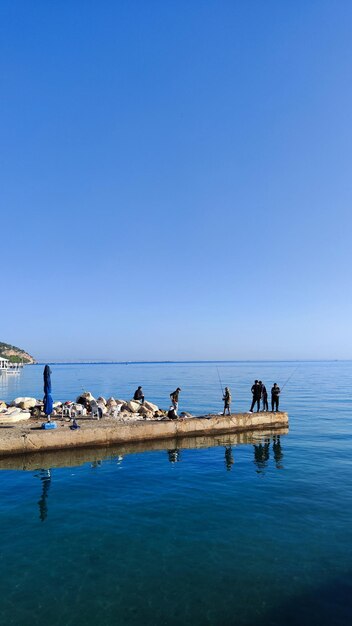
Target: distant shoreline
x,y
42,362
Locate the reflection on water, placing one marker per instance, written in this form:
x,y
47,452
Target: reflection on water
x,y
45,477
96,458
10,384
174,455
262,454
229,460
278,455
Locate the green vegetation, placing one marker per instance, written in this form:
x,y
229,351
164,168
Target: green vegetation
x,y
14,354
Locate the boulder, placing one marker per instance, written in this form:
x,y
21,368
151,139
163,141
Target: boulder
x,y
3,405
101,400
24,402
185,414
57,405
85,398
145,412
14,414
133,406
111,402
36,411
150,406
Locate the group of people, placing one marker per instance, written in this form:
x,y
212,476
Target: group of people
x,y
174,396
259,394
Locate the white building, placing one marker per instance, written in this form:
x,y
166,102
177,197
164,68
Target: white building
x,y
4,364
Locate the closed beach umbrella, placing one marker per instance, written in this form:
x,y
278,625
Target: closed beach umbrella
x,y
48,401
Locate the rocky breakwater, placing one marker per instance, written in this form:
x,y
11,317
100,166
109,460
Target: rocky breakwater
x,y
85,406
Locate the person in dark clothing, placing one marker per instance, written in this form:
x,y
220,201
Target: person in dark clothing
x,y
257,392
138,395
275,392
172,415
227,401
174,398
264,396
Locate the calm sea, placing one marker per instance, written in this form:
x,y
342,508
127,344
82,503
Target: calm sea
x,y
256,533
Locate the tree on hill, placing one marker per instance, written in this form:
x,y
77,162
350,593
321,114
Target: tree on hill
x,y
14,354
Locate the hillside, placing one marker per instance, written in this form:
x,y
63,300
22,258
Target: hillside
x,y
15,355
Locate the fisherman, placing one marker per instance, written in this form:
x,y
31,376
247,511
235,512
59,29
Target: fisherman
x,y
172,415
138,395
275,392
257,392
174,398
227,401
264,396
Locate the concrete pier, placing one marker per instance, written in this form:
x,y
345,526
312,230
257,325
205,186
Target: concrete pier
x,y
26,438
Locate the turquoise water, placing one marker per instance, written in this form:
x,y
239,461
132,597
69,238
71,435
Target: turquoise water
x,y
187,537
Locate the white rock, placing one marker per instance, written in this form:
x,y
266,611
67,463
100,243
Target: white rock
x,y
14,414
133,406
86,395
24,402
150,406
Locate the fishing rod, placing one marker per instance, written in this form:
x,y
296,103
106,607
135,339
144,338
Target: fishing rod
x,y
289,378
222,390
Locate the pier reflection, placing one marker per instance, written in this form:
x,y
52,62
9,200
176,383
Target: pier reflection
x,y
260,439
42,463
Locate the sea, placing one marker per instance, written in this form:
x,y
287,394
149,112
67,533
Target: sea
x,y
217,531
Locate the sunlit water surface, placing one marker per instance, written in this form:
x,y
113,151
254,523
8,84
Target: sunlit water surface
x,y
255,534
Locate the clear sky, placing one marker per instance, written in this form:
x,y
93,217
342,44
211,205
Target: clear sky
x,y
176,179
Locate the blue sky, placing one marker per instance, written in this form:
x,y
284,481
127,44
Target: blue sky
x,y
176,179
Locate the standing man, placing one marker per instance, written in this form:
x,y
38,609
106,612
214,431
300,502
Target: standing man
x,y
257,392
264,396
275,392
174,398
227,401
138,395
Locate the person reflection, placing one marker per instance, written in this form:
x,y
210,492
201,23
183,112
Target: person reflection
x,y
45,477
229,460
174,455
278,454
95,464
261,455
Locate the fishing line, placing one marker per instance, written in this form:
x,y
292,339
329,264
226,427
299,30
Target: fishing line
x,y
222,390
289,378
